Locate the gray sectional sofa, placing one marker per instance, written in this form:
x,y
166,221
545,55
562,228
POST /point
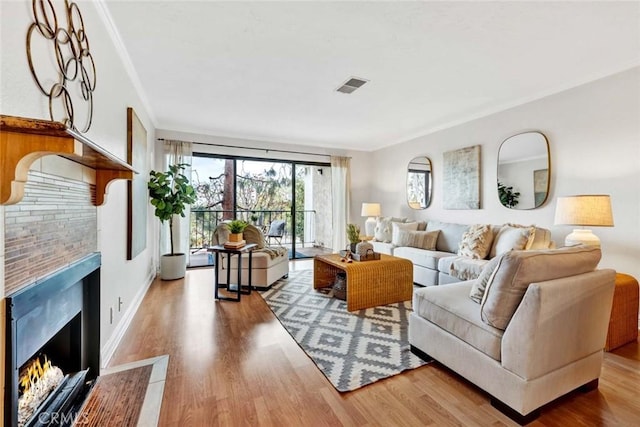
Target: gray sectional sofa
x,y
442,264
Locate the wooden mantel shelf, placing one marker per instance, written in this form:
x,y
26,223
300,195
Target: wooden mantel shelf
x,y
23,141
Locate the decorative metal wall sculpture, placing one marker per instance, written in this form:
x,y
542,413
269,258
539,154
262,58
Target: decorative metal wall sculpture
x,y
76,71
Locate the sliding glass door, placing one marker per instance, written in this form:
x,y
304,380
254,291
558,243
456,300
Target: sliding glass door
x,y
289,201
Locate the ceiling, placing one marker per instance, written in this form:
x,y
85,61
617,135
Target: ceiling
x,y
268,70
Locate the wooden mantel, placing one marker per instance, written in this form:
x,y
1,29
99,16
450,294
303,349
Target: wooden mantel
x,y
23,141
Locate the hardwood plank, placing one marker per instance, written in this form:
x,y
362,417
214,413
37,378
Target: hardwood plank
x,y
234,364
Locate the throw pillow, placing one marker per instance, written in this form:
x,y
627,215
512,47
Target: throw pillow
x,y
517,269
417,239
383,231
476,242
541,238
253,234
480,284
509,237
396,227
221,234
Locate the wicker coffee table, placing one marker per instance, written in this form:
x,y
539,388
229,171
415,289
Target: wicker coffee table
x,y
369,283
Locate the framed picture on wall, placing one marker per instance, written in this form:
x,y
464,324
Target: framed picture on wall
x,y
461,178
137,187
540,186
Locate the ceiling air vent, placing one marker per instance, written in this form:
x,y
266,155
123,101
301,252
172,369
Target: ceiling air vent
x,y
351,85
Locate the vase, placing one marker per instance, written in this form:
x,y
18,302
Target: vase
x,y
235,237
173,267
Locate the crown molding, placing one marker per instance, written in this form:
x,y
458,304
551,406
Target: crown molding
x,y
123,53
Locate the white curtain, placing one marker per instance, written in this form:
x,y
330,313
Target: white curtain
x,y
340,179
175,152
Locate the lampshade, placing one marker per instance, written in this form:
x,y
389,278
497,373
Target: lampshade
x,y
584,210
370,209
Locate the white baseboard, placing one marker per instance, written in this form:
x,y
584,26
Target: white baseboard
x,y
110,346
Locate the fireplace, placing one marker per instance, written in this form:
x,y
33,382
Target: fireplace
x,y
57,317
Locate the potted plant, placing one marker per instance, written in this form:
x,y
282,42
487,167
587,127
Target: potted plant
x,y
353,234
170,193
236,227
508,196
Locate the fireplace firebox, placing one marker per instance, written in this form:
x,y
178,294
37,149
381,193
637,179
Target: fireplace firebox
x,y
57,317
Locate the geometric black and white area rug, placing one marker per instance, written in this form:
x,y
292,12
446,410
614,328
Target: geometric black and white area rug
x,y
351,349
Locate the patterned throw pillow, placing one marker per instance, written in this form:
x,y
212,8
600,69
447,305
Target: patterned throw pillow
x,y
476,242
480,284
509,237
417,239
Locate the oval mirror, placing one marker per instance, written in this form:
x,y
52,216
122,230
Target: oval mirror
x,y
523,171
419,183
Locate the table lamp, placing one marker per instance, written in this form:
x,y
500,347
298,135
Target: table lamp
x,y
584,210
370,210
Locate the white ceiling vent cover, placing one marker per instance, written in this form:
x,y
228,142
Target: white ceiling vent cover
x,y
351,85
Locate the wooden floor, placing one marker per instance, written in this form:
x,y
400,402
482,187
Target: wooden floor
x,y
234,364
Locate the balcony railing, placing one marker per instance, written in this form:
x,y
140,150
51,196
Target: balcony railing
x,y
204,222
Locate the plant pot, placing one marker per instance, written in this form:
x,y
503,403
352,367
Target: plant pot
x,y
352,247
235,237
173,267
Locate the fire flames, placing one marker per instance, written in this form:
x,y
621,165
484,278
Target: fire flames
x,y
32,373
38,378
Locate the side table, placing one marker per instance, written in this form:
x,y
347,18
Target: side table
x,y
623,325
246,249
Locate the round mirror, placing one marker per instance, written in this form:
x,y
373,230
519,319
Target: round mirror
x,y
419,183
523,171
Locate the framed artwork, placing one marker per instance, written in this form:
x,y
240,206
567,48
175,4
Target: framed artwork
x,y
461,180
540,186
137,187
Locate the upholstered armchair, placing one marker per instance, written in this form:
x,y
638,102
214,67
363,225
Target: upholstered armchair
x,y
269,263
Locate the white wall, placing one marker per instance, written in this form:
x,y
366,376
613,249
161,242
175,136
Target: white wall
x,y
19,96
594,137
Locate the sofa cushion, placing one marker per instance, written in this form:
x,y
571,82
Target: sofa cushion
x,y
420,257
476,241
397,227
512,237
383,231
518,269
450,308
262,258
480,284
383,248
461,267
450,235
416,239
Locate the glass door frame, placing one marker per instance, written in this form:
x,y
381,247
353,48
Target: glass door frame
x,y
293,163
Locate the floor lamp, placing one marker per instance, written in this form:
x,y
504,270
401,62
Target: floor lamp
x,y
584,210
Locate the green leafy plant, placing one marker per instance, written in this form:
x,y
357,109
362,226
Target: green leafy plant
x,y
237,226
353,233
508,197
170,193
